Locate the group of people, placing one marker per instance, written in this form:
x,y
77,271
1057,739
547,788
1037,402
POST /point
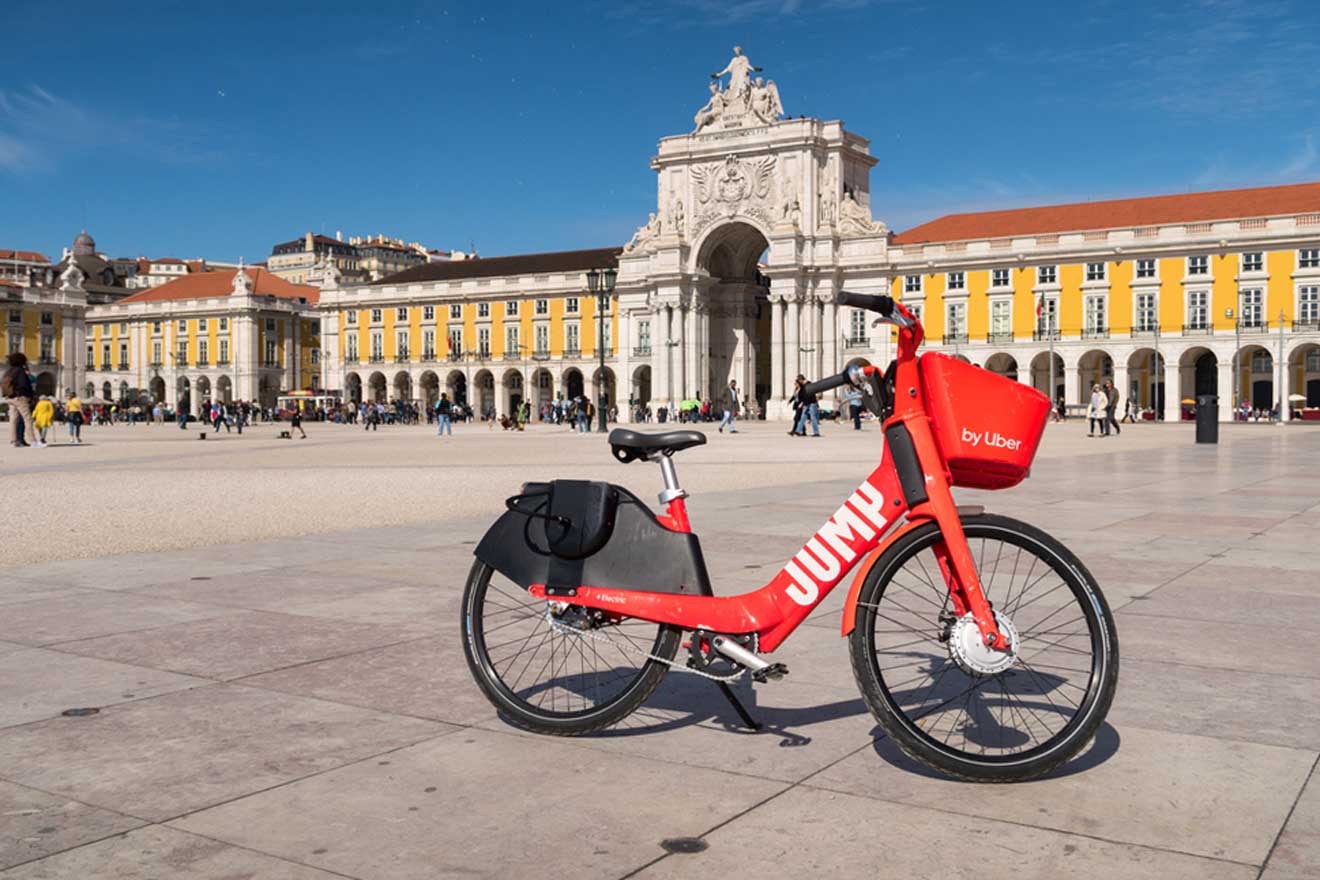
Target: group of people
x,y
31,417
1104,403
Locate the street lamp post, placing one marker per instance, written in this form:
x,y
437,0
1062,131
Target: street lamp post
x,y
1236,315
601,284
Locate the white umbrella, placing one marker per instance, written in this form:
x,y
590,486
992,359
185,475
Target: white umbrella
x,y
1301,397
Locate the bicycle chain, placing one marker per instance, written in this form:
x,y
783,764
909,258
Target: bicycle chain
x,y
564,630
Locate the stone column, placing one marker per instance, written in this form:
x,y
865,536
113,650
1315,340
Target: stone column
x,y
1225,390
689,349
660,357
792,342
1172,389
830,334
1071,390
293,353
776,400
246,357
1121,383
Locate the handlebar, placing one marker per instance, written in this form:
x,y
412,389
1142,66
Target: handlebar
x,y
820,386
884,306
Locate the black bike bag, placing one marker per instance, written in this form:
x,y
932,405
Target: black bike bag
x,y
571,533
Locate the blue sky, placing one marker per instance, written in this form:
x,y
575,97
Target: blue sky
x,y
180,129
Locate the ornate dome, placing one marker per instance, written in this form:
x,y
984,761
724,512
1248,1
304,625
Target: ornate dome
x,y
84,245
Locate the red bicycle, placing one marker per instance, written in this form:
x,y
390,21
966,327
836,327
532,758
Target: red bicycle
x,y
982,645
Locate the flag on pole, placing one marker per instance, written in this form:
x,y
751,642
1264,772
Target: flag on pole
x,y
1040,304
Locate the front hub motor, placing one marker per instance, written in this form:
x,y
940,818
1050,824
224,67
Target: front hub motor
x,y
973,656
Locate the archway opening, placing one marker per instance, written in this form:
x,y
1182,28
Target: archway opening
x,y
573,383
737,344
1145,371
484,388
456,387
1003,364
402,387
45,384
430,386
353,388
1255,383
376,387
641,383
1304,377
1040,375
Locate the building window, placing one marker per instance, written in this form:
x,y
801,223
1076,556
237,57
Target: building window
x,y
955,316
377,346
1001,318
401,345
47,353
571,305
1198,265
16,317
1308,304
201,325
644,335
1253,262
155,328
912,284
272,355
155,354
957,281
1252,308
316,357
455,312
48,318
916,309
224,325
542,340
350,317
351,348
428,313
1146,320
1198,309
1096,314
183,326
483,310
1095,271
1047,316
202,352
1145,268
16,343
1261,362
1313,361
857,326
428,344
999,278
543,307
270,324
511,308
1308,258
105,356
1047,274
455,340
511,340
572,344
604,328
181,354
377,316
224,351
401,314
483,341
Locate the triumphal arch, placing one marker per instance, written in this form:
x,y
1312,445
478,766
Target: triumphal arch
x,y
760,218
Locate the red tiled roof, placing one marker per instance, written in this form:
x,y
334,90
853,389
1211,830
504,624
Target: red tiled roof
x,y
204,285
518,264
1266,201
28,256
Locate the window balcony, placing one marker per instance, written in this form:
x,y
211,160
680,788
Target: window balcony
x,y
1305,324
375,359
1140,332
1196,329
541,354
1002,338
157,364
1096,333
123,367
642,351
856,342
428,357
203,362
46,360
1041,335
572,352
401,357
955,338
483,354
455,356
1254,326
270,365
222,362
512,356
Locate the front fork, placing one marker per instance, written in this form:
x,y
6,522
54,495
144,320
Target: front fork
x,y
952,551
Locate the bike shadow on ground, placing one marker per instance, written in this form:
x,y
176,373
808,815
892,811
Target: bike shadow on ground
x,y
1103,747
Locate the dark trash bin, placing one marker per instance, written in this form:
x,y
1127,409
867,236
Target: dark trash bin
x,y
1207,418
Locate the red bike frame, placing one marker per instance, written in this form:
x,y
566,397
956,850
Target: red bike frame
x,y
862,526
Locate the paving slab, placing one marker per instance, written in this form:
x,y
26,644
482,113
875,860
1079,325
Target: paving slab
x,y
16,589
271,589
1240,646
242,643
1193,794
95,613
37,683
813,833
36,824
134,570
477,803
423,678
1297,854
184,751
158,851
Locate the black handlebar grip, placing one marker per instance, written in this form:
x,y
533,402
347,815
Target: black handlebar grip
x,y
883,305
820,386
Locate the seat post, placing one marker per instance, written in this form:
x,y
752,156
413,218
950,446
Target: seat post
x,y
672,489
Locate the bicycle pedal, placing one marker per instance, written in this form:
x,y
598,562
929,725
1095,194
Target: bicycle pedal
x,y
773,672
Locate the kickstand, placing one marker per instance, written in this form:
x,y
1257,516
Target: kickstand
x,y
746,717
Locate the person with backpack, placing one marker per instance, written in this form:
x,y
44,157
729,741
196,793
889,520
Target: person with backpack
x,y
73,416
16,386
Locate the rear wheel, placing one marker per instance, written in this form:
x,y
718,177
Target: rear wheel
x,y
554,667
965,710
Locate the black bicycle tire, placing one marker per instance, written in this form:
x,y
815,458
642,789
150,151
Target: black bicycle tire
x,y
904,733
523,714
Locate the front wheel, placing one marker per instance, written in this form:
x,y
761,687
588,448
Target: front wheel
x,y
960,708
557,668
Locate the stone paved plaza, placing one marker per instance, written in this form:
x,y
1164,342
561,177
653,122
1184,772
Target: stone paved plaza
x,y
270,632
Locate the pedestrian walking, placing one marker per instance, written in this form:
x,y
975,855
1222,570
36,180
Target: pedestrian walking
x,y
444,412
295,422
16,386
73,417
42,415
1111,406
1095,412
810,410
731,401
